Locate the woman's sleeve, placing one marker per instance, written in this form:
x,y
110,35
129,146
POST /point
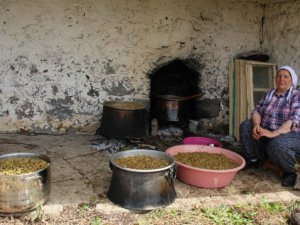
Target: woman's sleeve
x,y
259,105
295,109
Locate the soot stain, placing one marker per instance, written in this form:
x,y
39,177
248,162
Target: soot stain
x,y
41,130
93,92
119,90
25,110
61,108
13,99
33,69
54,90
108,68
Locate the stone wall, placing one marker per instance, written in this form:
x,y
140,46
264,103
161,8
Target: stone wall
x,y
282,33
61,59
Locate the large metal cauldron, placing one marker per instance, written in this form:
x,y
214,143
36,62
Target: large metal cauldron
x,y
22,193
142,189
123,120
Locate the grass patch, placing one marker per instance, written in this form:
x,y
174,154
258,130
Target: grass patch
x,y
264,213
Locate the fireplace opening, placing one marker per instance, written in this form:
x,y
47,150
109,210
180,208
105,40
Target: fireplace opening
x,y
167,82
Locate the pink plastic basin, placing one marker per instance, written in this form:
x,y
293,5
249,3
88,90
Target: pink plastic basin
x,y
206,178
201,141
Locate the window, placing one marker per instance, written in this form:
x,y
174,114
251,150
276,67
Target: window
x,y
248,82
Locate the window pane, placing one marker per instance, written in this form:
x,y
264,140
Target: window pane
x,y
262,76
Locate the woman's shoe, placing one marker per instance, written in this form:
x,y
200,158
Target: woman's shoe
x,y
289,179
251,164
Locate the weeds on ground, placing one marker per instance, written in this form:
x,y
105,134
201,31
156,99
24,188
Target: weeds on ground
x,y
37,215
263,213
97,221
228,215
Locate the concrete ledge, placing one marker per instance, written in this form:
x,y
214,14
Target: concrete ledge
x,y
53,210
214,201
108,207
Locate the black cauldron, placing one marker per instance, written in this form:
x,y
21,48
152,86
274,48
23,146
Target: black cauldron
x,y
121,119
142,190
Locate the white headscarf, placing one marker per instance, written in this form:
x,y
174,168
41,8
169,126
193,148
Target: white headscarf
x,y
292,72
294,82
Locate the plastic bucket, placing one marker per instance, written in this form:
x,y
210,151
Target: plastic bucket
x,y
202,141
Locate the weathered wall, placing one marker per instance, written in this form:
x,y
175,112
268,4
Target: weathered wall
x,y
61,59
282,33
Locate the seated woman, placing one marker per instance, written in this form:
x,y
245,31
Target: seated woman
x,y
273,131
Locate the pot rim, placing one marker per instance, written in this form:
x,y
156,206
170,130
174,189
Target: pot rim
x,y
25,155
210,170
219,151
139,105
178,97
170,97
201,140
148,152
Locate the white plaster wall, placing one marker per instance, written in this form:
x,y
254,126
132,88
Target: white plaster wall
x,y
282,33
61,59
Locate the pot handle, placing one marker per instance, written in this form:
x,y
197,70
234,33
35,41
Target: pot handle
x,y
32,178
171,175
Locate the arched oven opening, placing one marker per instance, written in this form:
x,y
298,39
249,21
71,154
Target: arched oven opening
x,y
173,87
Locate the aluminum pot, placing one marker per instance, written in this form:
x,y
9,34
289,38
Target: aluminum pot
x,y
22,193
172,108
123,120
142,190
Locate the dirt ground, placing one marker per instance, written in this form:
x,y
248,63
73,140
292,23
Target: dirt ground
x,y
80,179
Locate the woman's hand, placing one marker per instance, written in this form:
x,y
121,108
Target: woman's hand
x,y
269,134
259,132
256,132
283,129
